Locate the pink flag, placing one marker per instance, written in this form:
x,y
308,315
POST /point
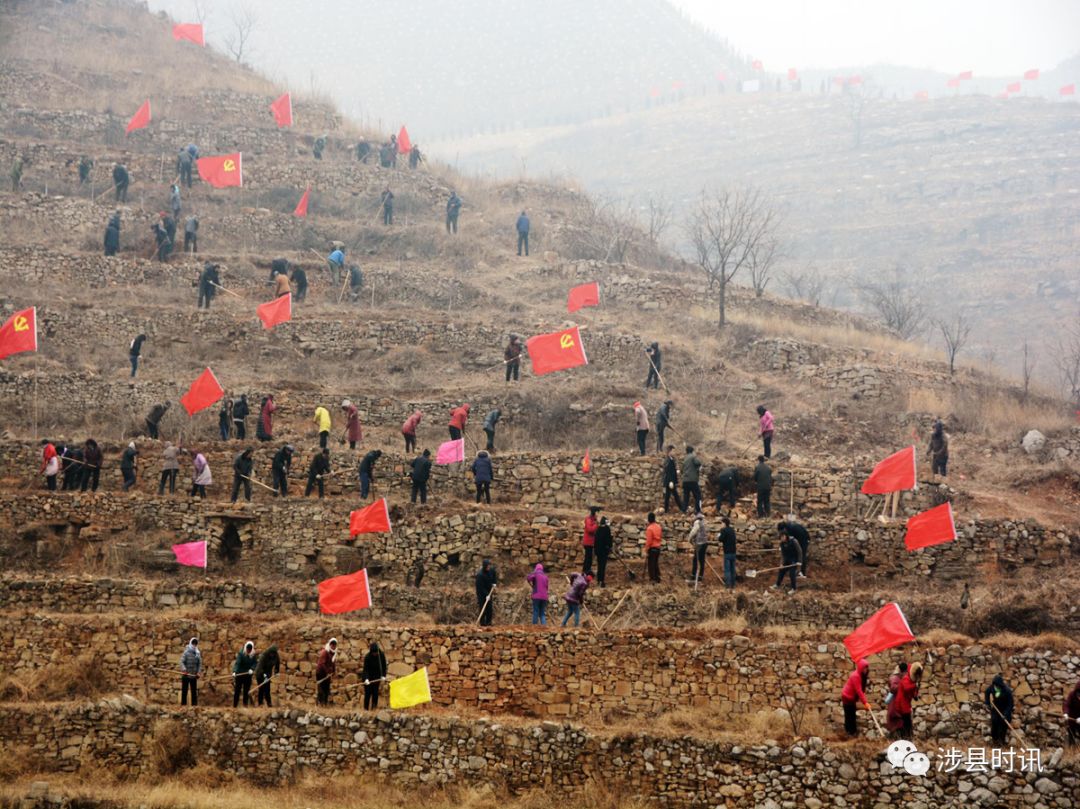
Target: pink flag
x,y
1031,75
451,452
192,554
966,75
1013,88
953,83
1068,90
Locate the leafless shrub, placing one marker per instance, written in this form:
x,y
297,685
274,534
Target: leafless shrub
x,y
896,301
808,284
243,21
955,332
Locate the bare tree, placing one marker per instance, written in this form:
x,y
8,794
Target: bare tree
x,y
896,302
1027,369
659,219
603,232
857,99
200,11
760,264
724,231
243,20
955,331
808,284
1066,354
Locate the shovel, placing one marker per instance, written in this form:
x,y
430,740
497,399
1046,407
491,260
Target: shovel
x,y
752,574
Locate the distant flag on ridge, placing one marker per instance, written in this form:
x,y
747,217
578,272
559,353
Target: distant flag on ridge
x,y
721,75
404,145
282,109
1068,90
140,119
922,95
583,295
190,31
413,689
932,527
952,83
966,75
1013,88
19,333
450,452
792,74
373,519
192,554
301,206
556,351
1031,75
203,392
654,92
677,85
756,64
345,593
586,464
222,171
854,80
883,630
895,473
279,310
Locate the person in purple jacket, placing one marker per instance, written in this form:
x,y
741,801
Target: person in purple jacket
x,y
538,580
579,583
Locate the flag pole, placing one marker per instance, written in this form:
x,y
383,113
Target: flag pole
x,y
34,404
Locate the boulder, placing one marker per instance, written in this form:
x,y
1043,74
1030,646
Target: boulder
x,y
1033,442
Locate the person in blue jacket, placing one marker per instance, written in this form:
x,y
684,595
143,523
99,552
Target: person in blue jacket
x,y
482,475
523,232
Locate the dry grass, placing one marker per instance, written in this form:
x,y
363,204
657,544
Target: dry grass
x,y
990,412
72,679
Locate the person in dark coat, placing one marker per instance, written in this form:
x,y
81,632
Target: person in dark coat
x,y
134,350
225,418
356,283
999,701
209,281
317,471
671,479
129,465
325,667
121,180
363,149
367,471
191,234
655,365
663,421
727,482
240,411
801,535
268,666
1070,712
602,549
486,582
243,465
691,474
453,208
299,277
727,541
763,481
112,238
512,358
374,674
490,421
938,450
522,228
790,557
72,466
387,200
279,470
242,670
483,474
91,471
154,417
184,162
421,471
86,165
415,158
161,237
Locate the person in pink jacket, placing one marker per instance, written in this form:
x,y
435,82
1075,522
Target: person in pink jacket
x,y
538,580
408,429
765,430
642,417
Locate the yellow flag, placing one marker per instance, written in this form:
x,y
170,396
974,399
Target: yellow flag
x,y
410,690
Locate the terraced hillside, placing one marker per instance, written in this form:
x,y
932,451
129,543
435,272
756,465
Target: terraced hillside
x,y
673,695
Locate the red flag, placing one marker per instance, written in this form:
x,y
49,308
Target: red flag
x,y
373,519
282,109
404,145
966,75
721,75
1068,90
276,311
932,527
654,92
301,206
203,392
792,74
19,333
344,593
223,171
854,79
756,64
1032,74
953,83
894,474
883,630
556,351
922,95
140,119
677,85
586,464
584,295
191,31
1013,88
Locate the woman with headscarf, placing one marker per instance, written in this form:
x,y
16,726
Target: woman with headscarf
x,y
408,429
999,701
268,665
264,430
243,668
374,674
324,670
898,717
190,669
353,433
538,581
854,694
201,477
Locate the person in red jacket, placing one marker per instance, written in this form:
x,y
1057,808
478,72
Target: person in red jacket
x,y
352,423
265,429
408,429
324,670
898,718
50,464
854,694
588,539
459,417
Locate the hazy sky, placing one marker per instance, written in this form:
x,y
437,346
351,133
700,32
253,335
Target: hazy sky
x,y
989,36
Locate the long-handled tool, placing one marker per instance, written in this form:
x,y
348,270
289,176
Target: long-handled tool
x,y
630,574
1009,725
259,483
223,289
657,372
752,574
487,600
604,623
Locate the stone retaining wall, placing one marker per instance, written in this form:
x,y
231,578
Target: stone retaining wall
x,y
413,749
583,674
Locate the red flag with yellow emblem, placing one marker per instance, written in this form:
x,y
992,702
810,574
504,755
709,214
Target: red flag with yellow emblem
x,y
556,351
19,333
222,171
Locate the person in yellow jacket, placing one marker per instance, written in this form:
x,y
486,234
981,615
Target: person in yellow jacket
x,y
322,421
